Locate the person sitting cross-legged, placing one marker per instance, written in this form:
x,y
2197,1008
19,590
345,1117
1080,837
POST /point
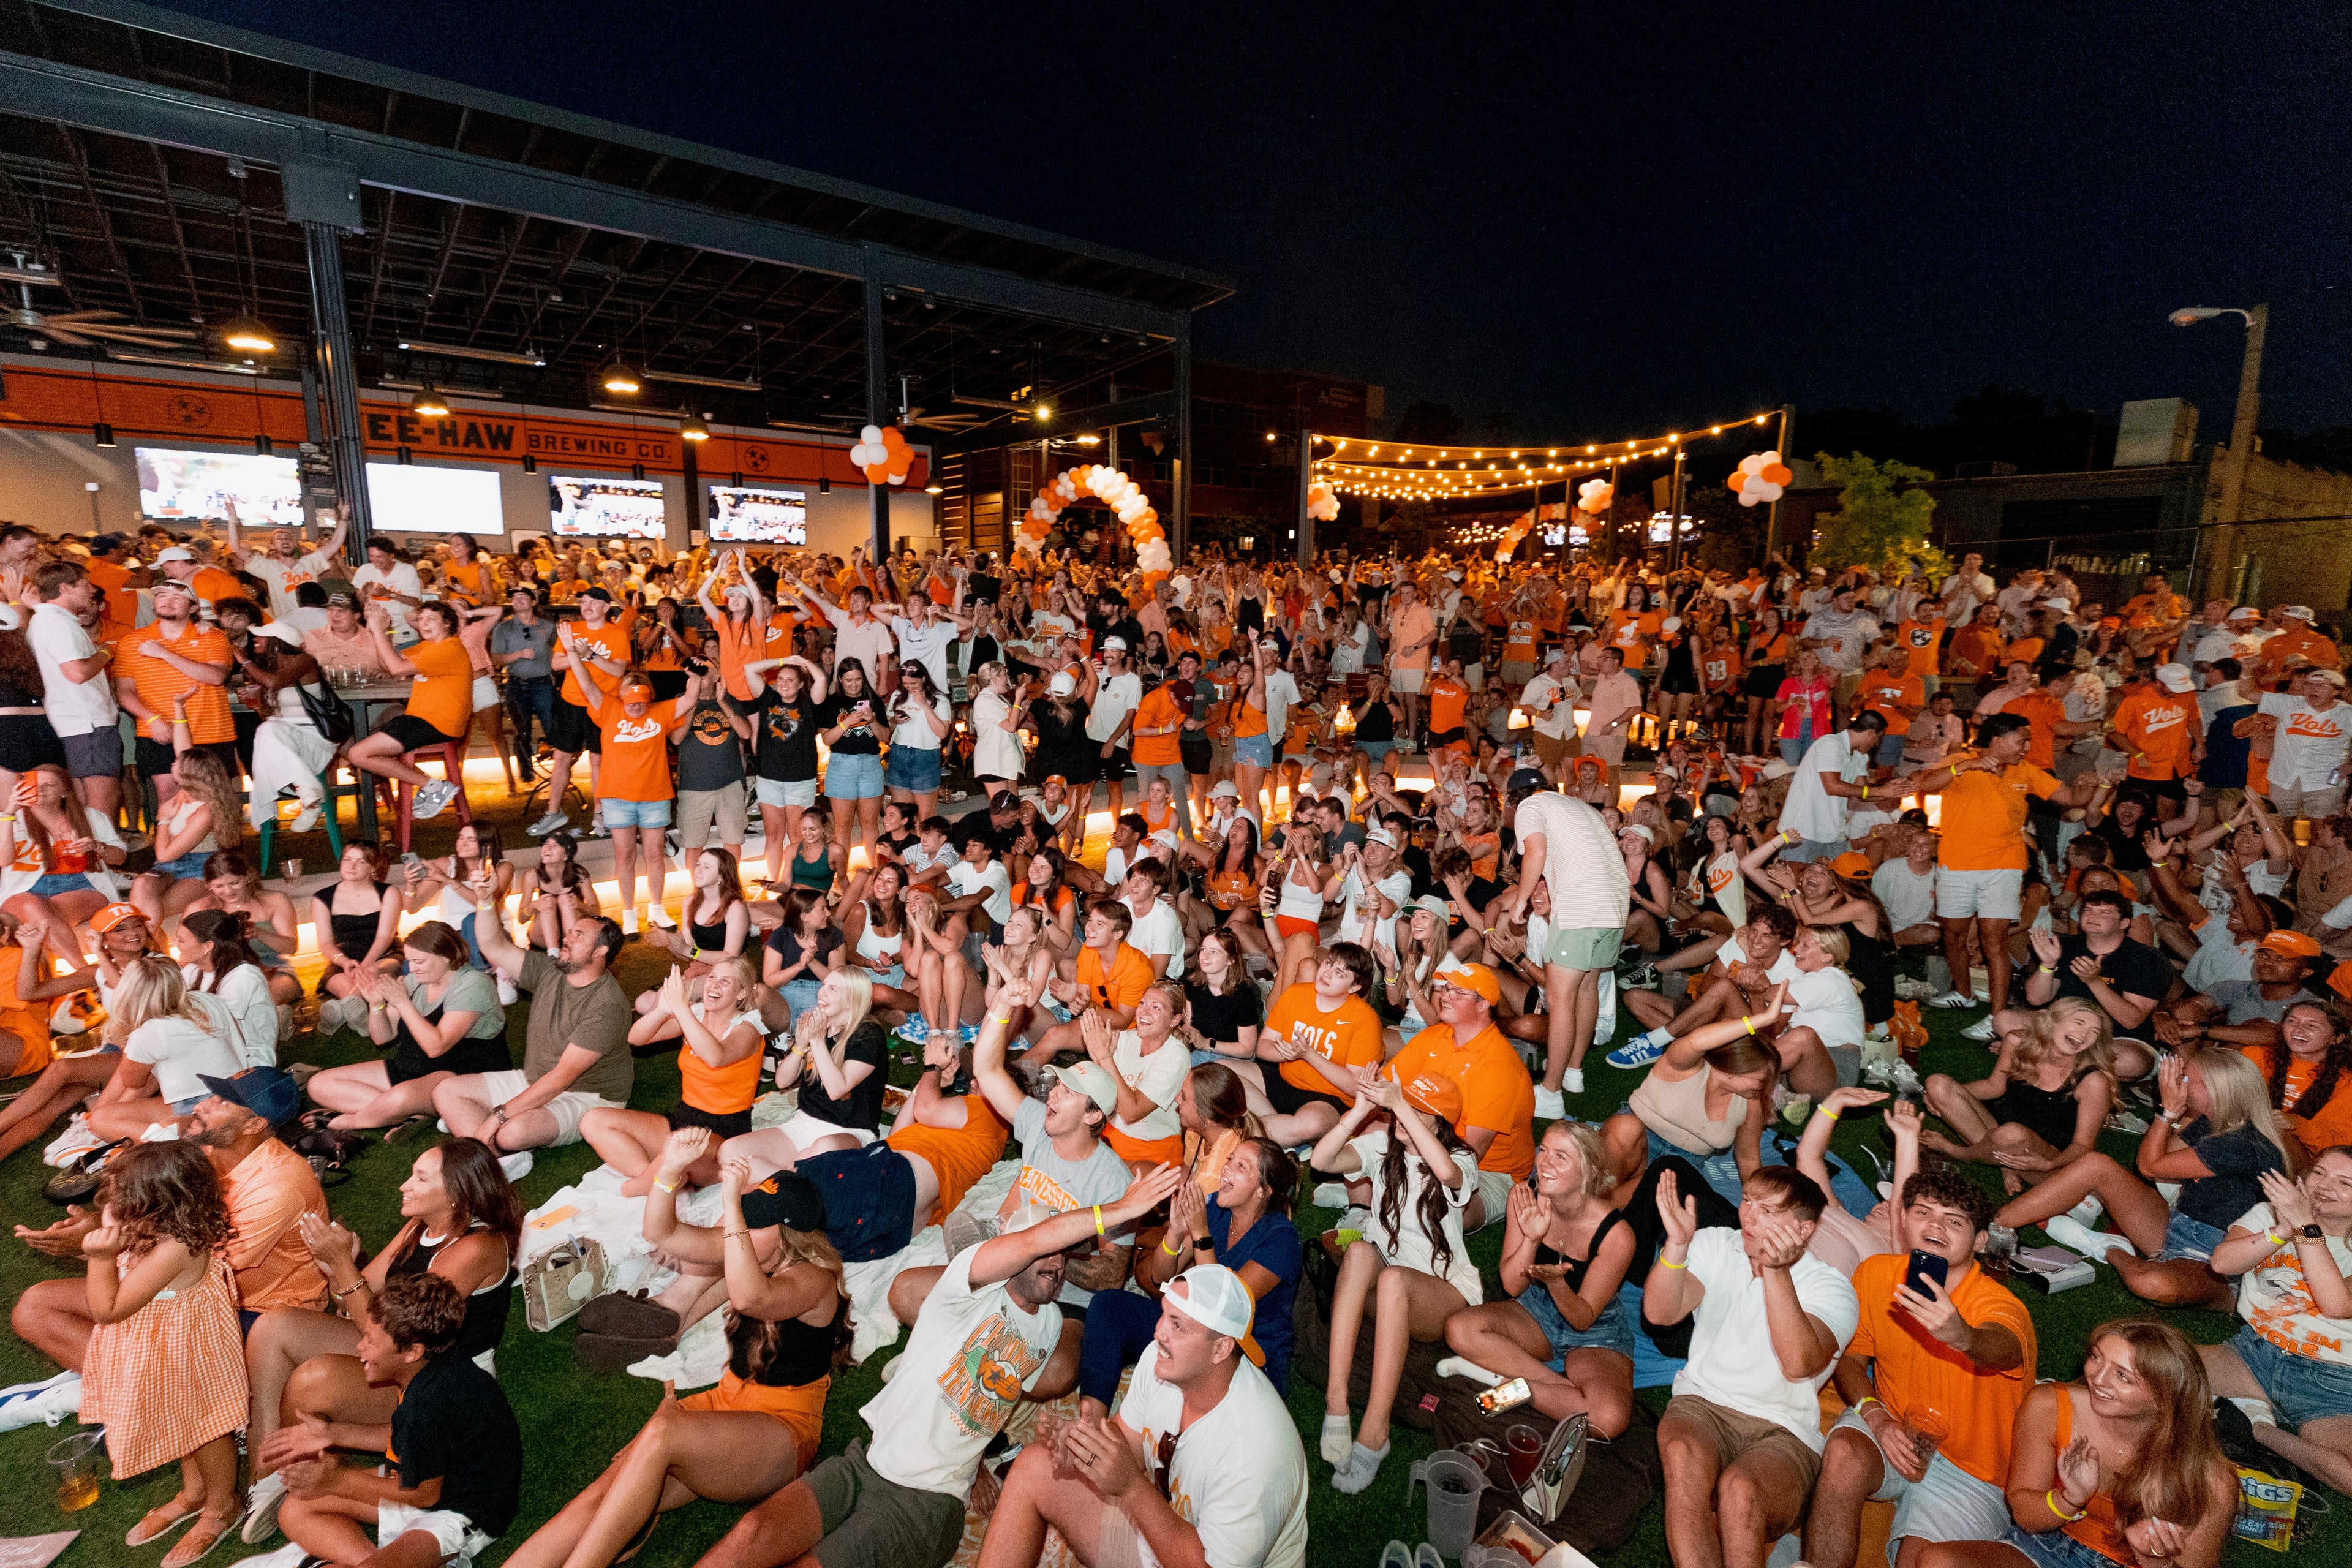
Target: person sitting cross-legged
x,y
454,1480
1741,1438
1933,1380
1201,1464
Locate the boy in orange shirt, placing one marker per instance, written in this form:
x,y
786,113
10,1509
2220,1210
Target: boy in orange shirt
x,y
1449,697
2157,730
1897,695
1320,1033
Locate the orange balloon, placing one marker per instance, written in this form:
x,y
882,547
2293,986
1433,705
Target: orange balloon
x,y
877,473
1777,474
1735,480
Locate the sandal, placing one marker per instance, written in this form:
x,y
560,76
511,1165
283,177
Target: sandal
x,y
316,1120
422,1122
210,1530
151,1529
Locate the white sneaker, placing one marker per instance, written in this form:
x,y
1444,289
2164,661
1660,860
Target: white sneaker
x,y
1550,1105
76,1141
516,1166
2092,1243
1356,1219
508,994
628,922
290,1555
50,1401
305,820
432,800
1981,1030
261,1505
1455,1366
1332,1194
1954,999
548,823
2086,1213
1572,1081
660,917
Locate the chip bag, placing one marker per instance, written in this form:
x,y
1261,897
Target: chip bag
x,y
2266,1509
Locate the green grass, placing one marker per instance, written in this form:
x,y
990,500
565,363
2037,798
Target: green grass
x,y
574,1421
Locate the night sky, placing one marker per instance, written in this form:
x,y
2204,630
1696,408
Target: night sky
x,y
1600,220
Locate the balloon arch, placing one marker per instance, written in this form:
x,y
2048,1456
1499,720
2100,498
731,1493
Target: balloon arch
x,y
1113,488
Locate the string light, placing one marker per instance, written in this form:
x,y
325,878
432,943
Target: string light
x,y
1431,481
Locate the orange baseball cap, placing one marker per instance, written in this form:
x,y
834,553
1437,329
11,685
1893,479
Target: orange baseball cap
x,y
1435,1095
1853,863
113,915
1475,977
2293,944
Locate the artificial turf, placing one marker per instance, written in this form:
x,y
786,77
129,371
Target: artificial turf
x,y
574,1421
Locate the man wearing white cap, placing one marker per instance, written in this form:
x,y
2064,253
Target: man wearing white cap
x,y
2227,634
1110,715
2158,729
2296,639
1549,702
2309,750
1202,1463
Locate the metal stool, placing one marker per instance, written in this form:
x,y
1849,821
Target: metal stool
x,y
453,768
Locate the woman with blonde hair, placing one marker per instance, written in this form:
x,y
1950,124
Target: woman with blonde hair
x,y
720,1036
2216,1135
203,816
838,1054
1565,1252
175,1038
2042,1106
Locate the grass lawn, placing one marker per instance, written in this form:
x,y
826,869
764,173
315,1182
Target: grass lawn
x,y
574,1421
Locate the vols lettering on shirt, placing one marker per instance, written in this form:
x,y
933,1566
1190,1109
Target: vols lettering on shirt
x,y
982,1382
2318,726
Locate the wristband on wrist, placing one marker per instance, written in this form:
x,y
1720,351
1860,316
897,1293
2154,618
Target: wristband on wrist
x,y
1826,1114
2051,1497
1669,1263
666,1186
2274,1238
1098,1224
1748,1023
1170,1251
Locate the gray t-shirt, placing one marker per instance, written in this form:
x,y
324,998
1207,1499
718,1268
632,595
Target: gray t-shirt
x,y
469,991
594,1017
2242,1002
513,636
1061,1184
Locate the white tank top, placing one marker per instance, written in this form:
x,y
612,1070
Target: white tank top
x,y
871,943
1298,903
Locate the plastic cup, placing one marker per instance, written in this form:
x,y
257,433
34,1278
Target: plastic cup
x,y
1928,1430
1522,1448
78,1462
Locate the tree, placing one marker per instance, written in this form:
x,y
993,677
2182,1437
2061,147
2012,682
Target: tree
x,y
1876,524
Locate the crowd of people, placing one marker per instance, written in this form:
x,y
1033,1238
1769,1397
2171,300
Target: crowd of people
x,y
1391,846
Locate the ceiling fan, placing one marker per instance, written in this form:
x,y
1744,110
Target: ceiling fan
x,y
80,329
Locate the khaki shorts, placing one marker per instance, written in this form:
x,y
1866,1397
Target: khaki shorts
x,y
697,808
871,1523
2314,803
1494,1188
567,1109
1585,948
1550,749
1610,748
1406,681
1736,1435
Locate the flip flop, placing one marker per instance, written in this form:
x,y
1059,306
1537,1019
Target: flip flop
x,y
417,1123
211,1529
150,1529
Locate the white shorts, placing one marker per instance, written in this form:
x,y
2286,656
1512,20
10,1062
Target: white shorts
x,y
567,1109
486,693
1494,1186
1406,680
2324,801
781,793
1946,1504
805,1129
454,1533
1984,895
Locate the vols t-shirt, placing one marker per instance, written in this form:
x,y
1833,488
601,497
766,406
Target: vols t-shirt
x,y
1882,692
1916,1371
637,751
609,641
1348,1036
1919,639
2308,752
2154,724
1053,1182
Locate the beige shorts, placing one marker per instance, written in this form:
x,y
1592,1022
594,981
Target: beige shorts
x,y
1550,749
567,1109
1610,748
697,808
1735,1435
2326,800
1495,1187
1404,680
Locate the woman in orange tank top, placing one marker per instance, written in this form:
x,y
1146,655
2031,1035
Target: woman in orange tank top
x,y
718,1073
740,635
469,572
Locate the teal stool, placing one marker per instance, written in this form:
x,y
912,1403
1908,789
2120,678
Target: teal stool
x,y
328,814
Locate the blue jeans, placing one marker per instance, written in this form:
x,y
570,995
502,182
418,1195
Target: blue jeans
x,y
1792,747
799,996
1119,1324
473,949
1609,1331
530,696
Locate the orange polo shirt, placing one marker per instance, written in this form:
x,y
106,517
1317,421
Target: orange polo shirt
x,y
119,604
1496,1092
158,683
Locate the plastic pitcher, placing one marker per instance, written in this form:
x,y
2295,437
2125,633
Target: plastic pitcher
x,y
1455,1480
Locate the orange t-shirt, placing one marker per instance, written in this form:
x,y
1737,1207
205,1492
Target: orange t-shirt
x,y
668,652
444,693
2155,724
1447,700
118,604
1519,647
2325,1128
1347,1036
2296,642
1976,650
610,641
158,683
1130,976
1496,1092
1984,817
722,1091
472,578
2042,710
738,646
1633,633
1916,1371
1157,709
1720,667
958,1156
212,585
1880,691
1919,639
637,751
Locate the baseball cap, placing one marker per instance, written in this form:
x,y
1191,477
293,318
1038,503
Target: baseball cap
x,y
264,1090
2333,677
1648,836
2056,604
1214,1297
1092,1080
172,585
1224,789
2290,943
1775,769
599,595
1114,645
113,915
1381,836
2244,612
1523,778
1436,906
2293,612
1853,863
1476,978
178,552
280,630
1062,685
348,599
1435,1095
788,1199
2175,677
1558,655
1055,779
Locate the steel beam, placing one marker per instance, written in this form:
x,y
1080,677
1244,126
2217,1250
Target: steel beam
x,y
339,378
877,391
1126,411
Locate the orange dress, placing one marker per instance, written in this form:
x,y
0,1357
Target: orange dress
x,y
169,1378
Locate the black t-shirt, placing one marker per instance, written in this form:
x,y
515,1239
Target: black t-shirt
x,y
2134,969
2124,851
786,945
787,736
1223,1018
1480,891
866,743
1467,639
710,756
862,1107
453,1423
1376,722
983,590
2237,1160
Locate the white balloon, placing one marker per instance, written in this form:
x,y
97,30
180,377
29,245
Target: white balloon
x,y
871,435
895,479
1748,498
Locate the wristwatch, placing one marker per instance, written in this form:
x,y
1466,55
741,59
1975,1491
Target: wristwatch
x,y
2311,1233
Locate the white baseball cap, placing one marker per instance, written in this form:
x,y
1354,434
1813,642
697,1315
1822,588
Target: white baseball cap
x,y
1062,685
1226,789
2244,612
1214,1297
2175,677
179,553
1114,645
2293,612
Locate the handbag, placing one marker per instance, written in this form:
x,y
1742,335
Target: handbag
x,y
558,1283
328,714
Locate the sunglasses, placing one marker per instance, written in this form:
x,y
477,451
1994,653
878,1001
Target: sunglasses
x,y
1163,1464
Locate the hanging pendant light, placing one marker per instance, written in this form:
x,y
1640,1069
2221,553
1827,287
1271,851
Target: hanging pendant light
x,y
619,377
247,334
692,428
530,463
636,470
102,434
402,456
263,447
429,403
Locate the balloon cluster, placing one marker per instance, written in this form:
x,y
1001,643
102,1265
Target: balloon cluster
x,y
883,454
1322,501
1593,497
1758,478
1521,527
1114,490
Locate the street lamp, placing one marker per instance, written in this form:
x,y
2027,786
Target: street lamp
x,y
2241,438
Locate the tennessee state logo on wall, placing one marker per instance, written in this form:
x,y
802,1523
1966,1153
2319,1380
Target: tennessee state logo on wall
x,y
755,459
190,411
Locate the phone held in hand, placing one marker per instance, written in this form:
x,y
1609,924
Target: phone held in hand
x,y
1924,1267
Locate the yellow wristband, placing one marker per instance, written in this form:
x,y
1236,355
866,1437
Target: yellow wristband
x,y
1098,1224
1826,1115
1748,1023
1669,1263
2051,1497
1170,1251
667,1186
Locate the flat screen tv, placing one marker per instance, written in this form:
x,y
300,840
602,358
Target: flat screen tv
x,y
177,486
748,516
586,508
409,499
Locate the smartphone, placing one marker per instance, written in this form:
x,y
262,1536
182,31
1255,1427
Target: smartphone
x,y
1924,1267
412,862
1505,1397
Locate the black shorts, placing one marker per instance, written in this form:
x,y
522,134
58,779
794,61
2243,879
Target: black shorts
x,y
27,742
1458,735
1679,683
1194,750
570,731
1764,680
1289,1099
155,757
414,734
1114,767
722,1124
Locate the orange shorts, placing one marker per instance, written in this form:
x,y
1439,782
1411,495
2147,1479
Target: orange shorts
x,y
801,1408
1292,925
1156,1152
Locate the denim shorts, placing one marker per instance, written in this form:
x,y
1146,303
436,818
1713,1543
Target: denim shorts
x,y
186,868
2188,1240
2300,1388
1610,1330
1946,1504
778,794
55,883
1257,751
799,996
2055,1549
913,767
857,776
1376,750
635,812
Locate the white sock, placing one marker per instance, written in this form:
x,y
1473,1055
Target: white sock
x,y
1459,1366
2258,1410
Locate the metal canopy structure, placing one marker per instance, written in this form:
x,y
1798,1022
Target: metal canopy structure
x,y
409,230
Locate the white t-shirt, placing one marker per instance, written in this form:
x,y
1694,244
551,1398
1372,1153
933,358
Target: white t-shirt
x,y
1732,953
995,750
1158,1078
282,577
246,991
2308,750
1552,719
1281,691
74,708
179,1051
1356,920
1828,1005
865,642
927,645
1116,697
1583,868
973,1349
19,875
913,733
2275,1301
1812,814
1732,1363
1413,1247
963,880
401,578
1909,896
1239,1473
1158,930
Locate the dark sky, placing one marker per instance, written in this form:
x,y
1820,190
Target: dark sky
x,y
1604,219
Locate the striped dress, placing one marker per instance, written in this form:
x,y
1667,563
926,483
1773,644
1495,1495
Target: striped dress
x,y
170,1377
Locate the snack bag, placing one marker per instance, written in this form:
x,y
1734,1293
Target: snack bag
x,y
2266,1509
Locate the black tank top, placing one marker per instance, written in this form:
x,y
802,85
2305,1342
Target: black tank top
x,y
354,934
486,1309
1873,970
2049,1112
803,1352
713,939
1573,1269
467,1056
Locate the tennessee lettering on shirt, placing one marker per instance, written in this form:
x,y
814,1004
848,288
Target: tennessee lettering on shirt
x,y
1041,1188
985,1379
